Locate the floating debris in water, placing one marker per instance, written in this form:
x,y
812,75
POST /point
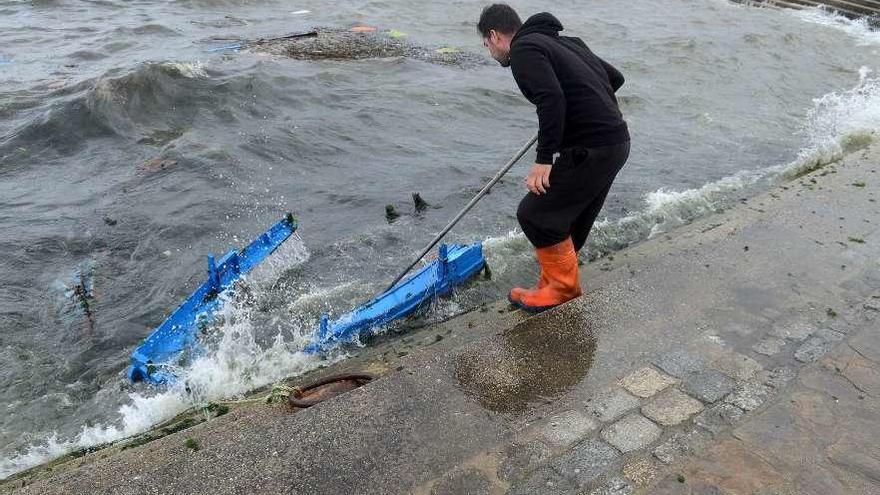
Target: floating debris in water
x,y
233,48
301,12
161,137
81,292
419,203
391,213
109,221
157,164
362,42
363,28
240,45
83,295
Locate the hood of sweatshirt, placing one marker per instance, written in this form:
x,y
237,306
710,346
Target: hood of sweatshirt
x,y
544,23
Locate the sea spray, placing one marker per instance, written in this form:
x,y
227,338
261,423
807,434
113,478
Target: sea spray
x,y
235,364
838,124
860,29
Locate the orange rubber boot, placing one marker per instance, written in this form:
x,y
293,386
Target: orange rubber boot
x,y
559,281
517,292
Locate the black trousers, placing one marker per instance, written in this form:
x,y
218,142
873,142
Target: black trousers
x,y
579,182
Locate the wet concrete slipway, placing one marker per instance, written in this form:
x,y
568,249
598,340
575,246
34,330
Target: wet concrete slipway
x,y
738,354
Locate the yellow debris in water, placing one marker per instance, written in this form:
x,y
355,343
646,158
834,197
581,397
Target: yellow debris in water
x,y
447,49
396,33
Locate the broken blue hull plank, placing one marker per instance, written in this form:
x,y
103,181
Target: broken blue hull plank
x,y
234,47
153,361
455,265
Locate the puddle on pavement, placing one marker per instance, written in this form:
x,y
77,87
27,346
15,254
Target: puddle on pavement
x,y
538,360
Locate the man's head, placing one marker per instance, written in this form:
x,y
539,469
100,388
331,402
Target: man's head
x,y
498,23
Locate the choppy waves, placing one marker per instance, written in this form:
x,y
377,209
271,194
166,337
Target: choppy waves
x,y
860,29
114,105
239,361
838,124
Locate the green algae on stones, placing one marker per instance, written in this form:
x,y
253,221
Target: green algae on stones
x,y
278,395
215,410
191,444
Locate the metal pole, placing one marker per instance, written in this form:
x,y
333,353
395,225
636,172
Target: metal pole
x,y
522,151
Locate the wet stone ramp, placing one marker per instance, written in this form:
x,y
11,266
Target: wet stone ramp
x,y
398,432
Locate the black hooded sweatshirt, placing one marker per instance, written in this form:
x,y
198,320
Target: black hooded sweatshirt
x,y
572,88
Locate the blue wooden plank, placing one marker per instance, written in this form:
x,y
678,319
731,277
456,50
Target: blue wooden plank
x,y
455,265
153,361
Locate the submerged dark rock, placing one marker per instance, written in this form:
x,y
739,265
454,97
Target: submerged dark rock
x,y
391,213
419,203
347,44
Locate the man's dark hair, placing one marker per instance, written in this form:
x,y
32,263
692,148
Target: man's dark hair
x,y
500,17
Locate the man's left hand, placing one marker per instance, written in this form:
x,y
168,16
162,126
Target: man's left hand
x,y
538,180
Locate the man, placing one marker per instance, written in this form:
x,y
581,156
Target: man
x,y
579,123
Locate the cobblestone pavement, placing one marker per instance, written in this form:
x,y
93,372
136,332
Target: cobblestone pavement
x,y
714,420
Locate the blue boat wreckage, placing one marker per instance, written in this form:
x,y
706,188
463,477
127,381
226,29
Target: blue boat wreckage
x,y
157,357
454,265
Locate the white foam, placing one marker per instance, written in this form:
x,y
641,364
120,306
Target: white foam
x,y
503,252
666,209
839,123
190,70
235,364
859,29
